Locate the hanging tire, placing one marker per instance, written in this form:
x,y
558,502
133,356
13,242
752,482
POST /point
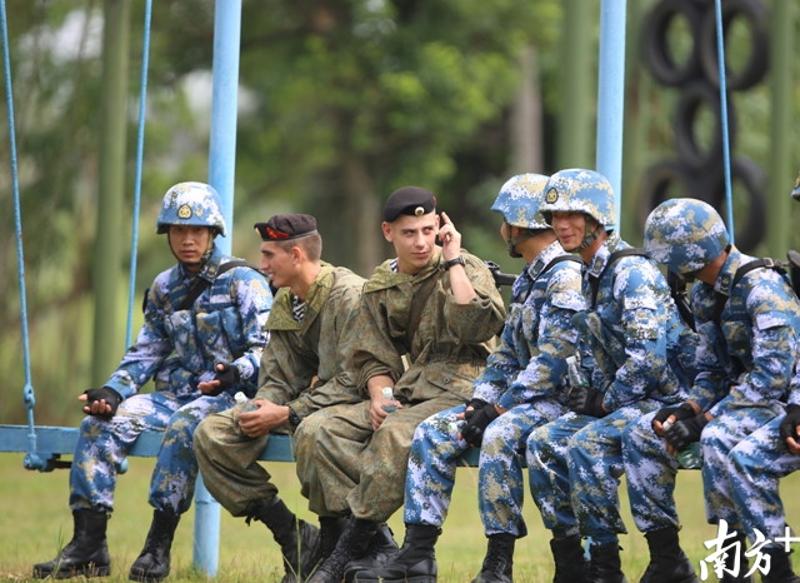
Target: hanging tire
x,y
755,15
667,179
749,232
689,148
655,46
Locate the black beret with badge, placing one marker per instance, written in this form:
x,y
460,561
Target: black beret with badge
x,y
286,227
409,200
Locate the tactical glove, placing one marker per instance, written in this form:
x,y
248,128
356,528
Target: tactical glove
x,y
680,412
107,394
472,432
790,423
682,433
228,376
476,404
586,401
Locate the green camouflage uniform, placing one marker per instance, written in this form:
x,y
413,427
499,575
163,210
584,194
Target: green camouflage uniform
x,y
363,472
302,367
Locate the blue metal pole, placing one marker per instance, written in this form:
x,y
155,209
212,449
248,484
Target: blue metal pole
x,y
221,168
723,102
611,95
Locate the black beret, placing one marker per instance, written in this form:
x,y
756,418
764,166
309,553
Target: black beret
x,y
409,200
286,227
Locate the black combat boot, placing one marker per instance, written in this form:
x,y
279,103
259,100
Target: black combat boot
x,y
415,562
730,563
330,529
299,541
668,563
153,562
382,548
571,565
353,544
499,561
604,566
780,569
86,554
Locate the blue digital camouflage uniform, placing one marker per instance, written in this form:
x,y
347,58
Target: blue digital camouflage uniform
x,y
759,461
526,376
177,348
643,355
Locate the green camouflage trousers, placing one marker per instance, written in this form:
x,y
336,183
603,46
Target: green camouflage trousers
x,y
344,466
228,461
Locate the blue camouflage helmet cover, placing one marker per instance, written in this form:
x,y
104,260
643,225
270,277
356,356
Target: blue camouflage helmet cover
x,y
685,234
519,200
581,190
191,204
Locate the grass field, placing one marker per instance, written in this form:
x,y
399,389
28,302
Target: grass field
x,y
36,522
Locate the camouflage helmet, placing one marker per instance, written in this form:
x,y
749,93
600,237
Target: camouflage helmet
x,y
191,204
519,200
685,234
796,189
580,190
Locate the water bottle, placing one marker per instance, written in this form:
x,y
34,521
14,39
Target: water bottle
x,y
690,457
245,403
575,374
388,404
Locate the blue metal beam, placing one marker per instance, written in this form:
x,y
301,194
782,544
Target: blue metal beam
x,y
221,170
611,96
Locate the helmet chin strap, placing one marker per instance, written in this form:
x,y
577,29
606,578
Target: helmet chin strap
x,y
203,258
512,242
589,237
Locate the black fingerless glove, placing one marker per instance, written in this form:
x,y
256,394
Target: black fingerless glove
x,y
681,412
682,433
473,431
107,394
790,423
476,404
228,377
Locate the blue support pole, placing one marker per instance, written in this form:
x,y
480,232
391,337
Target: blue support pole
x,y
723,104
611,95
221,168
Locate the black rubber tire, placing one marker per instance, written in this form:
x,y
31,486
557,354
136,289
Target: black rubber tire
x,y
656,52
744,171
757,17
668,178
687,145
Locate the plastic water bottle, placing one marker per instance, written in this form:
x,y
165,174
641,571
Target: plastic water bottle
x,y
388,402
245,403
575,374
690,457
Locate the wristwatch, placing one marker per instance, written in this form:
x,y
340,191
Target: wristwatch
x,y
451,262
294,419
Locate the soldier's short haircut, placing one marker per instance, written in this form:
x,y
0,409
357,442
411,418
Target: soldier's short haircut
x,y
311,244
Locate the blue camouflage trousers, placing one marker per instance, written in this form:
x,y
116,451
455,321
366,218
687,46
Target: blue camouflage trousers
x,y
734,422
435,454
575,464
104,443
650,470
759,462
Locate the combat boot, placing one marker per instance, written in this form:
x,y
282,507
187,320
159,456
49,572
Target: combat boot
x,y
604,566
730,563
499,561
330,529
571,565
299,541
668,563
780,569
86,554
153,562
353,544
415,562
382,548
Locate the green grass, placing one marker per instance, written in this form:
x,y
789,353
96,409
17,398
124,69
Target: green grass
x,y
36,522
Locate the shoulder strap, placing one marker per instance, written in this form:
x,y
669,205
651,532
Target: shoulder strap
x,y
766,262
560,258
200,285
612,259
677,289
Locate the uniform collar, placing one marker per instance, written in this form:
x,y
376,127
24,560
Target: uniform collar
x,y
598,263
544,258
726,274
